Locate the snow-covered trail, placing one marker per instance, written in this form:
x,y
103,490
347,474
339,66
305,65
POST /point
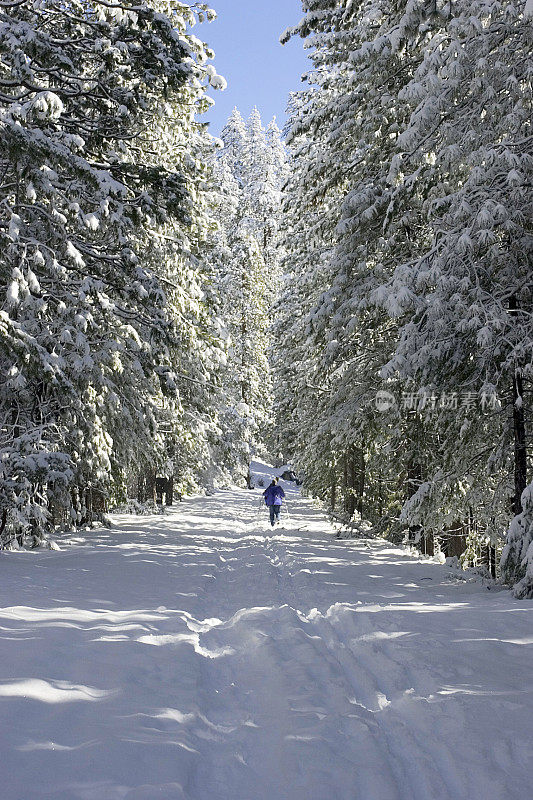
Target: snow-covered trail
x,y
198,655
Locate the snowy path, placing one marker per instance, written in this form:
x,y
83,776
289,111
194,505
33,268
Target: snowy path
x,y
197,656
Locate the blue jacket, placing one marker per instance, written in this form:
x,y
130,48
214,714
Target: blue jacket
x,y
274,495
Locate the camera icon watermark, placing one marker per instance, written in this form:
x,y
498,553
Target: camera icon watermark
x,y
385,401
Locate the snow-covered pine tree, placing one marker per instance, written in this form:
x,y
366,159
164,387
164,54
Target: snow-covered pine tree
x,y
263,173
247,176
181,256
234,136
232,440
350,125
85,322
465,296
399,124
306,242
276,175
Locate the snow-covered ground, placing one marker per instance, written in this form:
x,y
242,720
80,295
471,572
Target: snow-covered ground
x,y
200,655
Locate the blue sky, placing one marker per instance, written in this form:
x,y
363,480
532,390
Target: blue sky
x,y
259,70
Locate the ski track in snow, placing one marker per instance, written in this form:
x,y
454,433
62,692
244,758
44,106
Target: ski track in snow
x,y
199,655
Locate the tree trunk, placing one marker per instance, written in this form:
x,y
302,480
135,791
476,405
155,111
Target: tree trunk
x,y
169,497
352,480
362,478
491,558
89,505
519,427
3,523
151,494
520,452
345,483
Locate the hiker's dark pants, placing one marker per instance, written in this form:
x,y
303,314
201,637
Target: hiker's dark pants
x,y
274,514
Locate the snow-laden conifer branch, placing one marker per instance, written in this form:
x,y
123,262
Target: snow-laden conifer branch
x,y
93,221
408,260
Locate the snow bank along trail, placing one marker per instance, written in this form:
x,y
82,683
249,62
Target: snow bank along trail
x,y
200,656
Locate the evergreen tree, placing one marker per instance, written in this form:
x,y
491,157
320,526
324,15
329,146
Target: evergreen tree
x,y
233,137
248,174
468,315
86,321
422,205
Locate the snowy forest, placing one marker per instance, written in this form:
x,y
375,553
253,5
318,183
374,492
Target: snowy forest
x,y
352,296
266,400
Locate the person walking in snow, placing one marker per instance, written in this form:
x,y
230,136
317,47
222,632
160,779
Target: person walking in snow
x,y
274,498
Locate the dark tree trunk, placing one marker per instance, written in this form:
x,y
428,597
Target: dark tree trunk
x,y
170,491
491,558
151,492
520,452
345,483
519,427
351,461
89,505
362,478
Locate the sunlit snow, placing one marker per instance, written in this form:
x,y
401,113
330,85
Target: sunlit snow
x,y
200,655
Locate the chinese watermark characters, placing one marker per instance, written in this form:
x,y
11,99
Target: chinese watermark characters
x,y
426,401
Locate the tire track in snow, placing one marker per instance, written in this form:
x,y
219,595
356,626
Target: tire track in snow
x,y
277,705
362,694
373,681
324,685
309,705
420,729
